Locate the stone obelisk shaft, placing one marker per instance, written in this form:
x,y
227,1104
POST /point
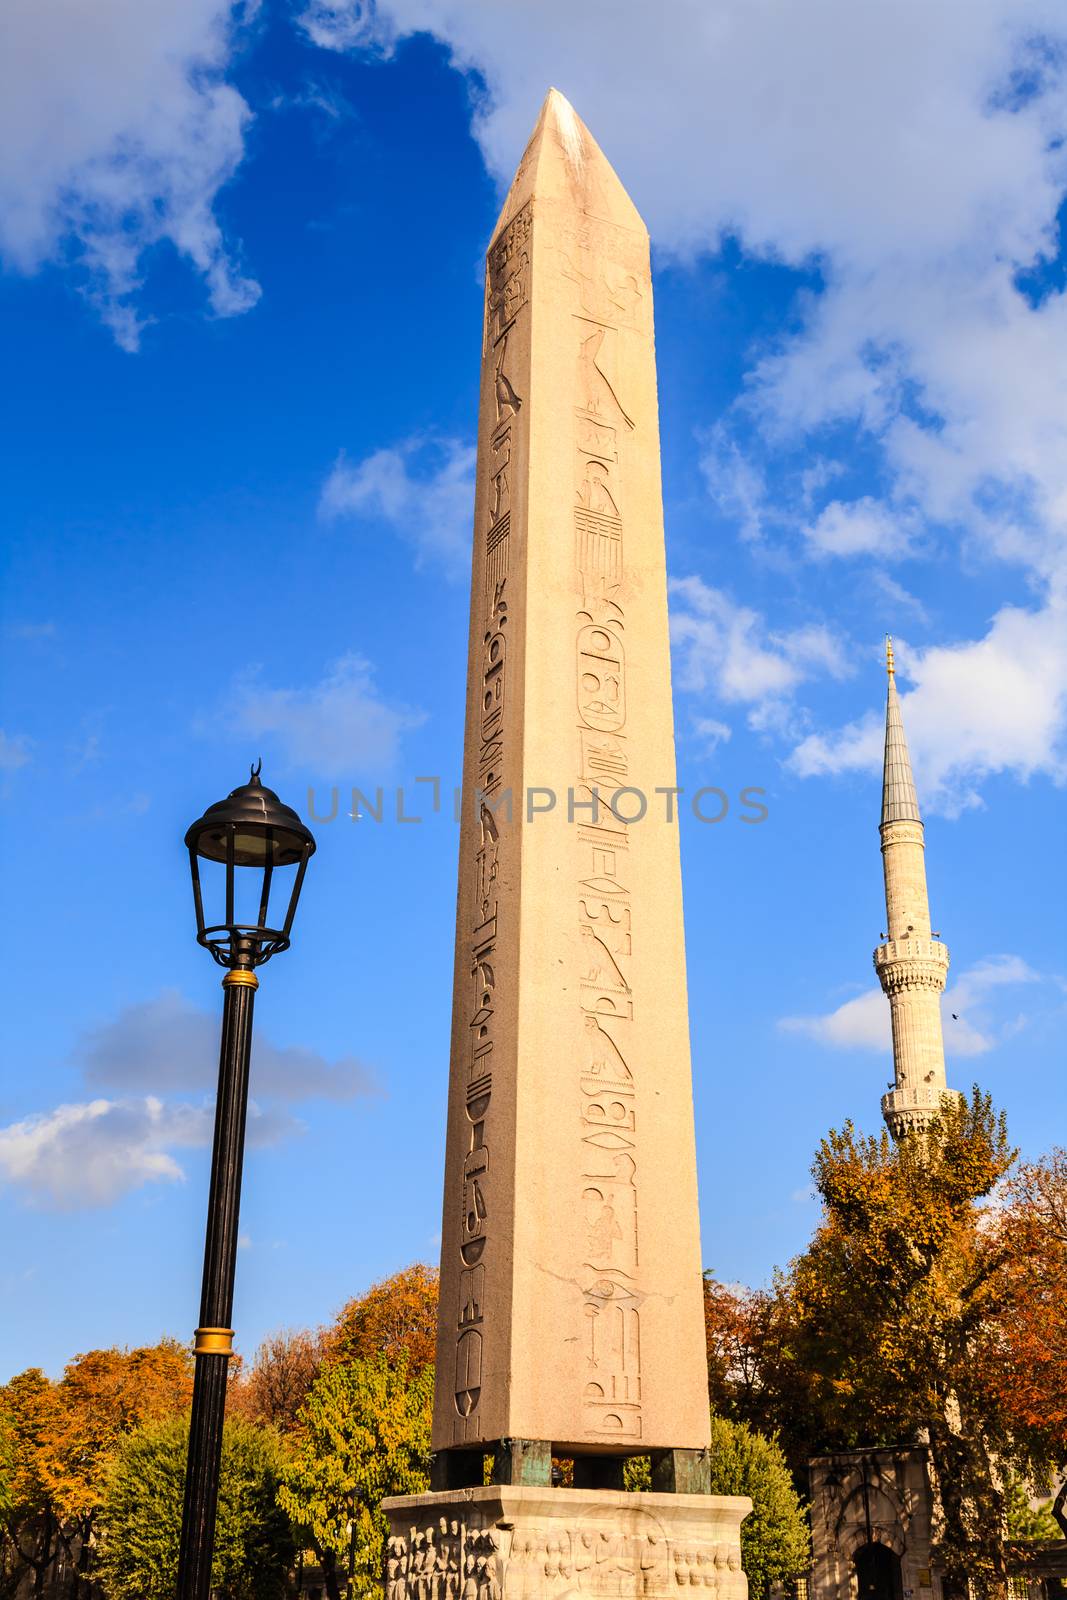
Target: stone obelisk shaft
x,y
571,1306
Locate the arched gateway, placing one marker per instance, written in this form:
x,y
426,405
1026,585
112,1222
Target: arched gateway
x,y
878,1572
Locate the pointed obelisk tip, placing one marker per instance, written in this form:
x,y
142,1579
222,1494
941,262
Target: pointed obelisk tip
x,y
563,161
569,126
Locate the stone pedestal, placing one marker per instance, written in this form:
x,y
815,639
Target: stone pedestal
x,y
508,1543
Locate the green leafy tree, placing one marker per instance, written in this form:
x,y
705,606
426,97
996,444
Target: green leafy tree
x,y
365,1434
775,1546
774,1537
1024,1519
140,1519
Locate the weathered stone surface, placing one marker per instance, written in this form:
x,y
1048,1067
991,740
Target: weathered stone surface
x,y
571,1308
544,1544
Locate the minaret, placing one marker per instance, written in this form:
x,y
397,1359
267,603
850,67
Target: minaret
x,y
912,964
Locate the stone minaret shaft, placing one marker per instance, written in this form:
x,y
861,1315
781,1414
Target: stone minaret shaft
x,y
911,964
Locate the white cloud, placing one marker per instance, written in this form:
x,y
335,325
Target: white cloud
x,y
859,527
90,1154
14,751
332,728
117,132
900,600
161,1056
868,132
727,650
969,1012
168,1045
347,24
863,1023
423,491
998,704
914,155
736,483
93,1152
711,732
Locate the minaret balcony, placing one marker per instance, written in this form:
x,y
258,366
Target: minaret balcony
x,y
912,963
911,947
918,1104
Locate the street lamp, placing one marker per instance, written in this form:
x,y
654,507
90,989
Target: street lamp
x,y
250,829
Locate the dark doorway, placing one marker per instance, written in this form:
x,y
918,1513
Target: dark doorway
x,y
878,1573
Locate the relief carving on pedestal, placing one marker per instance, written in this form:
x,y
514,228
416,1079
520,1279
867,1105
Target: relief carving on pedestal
x,y
451,1559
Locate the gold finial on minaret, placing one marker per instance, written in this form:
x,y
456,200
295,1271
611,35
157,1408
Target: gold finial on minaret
x,y
889,654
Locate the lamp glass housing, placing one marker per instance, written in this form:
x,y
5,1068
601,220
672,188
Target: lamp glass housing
x,y
253,830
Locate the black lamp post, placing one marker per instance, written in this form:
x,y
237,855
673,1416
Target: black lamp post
x,y
249,829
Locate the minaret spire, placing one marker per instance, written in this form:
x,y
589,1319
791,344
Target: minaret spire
x,y
899,800
912,965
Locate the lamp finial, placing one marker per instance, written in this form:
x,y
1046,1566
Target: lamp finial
x,y
889,667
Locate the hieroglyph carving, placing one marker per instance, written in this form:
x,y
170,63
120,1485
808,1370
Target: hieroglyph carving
x,y
448,1559
608,296
507,293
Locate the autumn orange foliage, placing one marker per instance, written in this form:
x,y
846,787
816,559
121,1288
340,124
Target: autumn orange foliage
x,y
279,1380
394,1318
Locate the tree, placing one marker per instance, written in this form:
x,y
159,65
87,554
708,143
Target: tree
x,y
395,1318
7,1461
753,1372
774,1538
140,1519
285,1367
1023,1519
730,1338
29,1519
891,1308
102,1396
365,1434
1027,1347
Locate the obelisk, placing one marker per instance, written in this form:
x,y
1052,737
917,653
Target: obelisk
x,y
571,1311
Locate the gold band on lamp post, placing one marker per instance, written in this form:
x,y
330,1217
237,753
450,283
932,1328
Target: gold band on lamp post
x,y
239,978
213,1342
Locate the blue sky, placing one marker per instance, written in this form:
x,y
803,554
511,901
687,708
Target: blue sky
x,y
241,299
